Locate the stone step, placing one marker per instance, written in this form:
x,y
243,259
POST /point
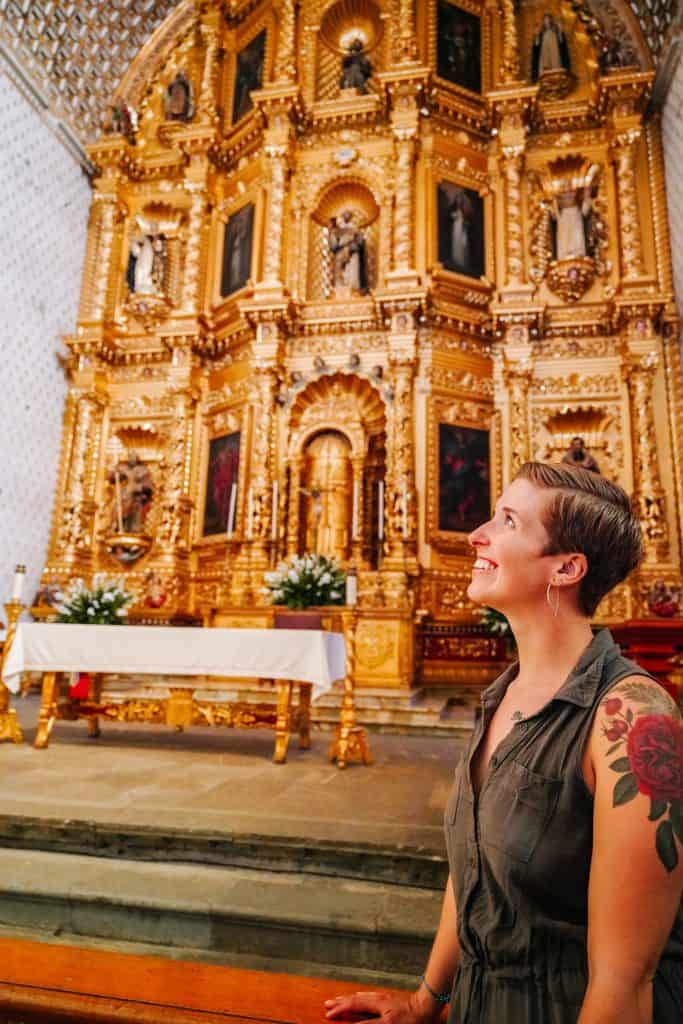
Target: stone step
x,y
278,918
401,865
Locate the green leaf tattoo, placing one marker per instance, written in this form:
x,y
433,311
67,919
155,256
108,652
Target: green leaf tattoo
x,y
676,818
625,790
666,845
622,764
657,809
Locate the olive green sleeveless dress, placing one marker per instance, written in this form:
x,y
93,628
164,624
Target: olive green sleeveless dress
x,y
520,858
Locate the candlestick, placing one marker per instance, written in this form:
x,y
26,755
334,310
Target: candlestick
x,y
354,512
119,504
231,510
273,521
405,510
250,513
351,587
9,727
18,584
380,510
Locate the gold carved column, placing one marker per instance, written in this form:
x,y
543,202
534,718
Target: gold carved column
x,y
173,533
517,381
625,151
400,494
191,277
649,493
285,60
107,204
510,65
295,474
75,532
206,104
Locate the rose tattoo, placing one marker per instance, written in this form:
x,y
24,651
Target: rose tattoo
x,y
653,765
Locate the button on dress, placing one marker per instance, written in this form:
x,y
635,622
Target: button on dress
x,y
520,856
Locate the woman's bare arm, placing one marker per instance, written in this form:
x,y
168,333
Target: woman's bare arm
x,y
636,878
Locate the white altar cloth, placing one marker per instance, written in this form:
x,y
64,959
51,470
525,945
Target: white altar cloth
x,y
301,655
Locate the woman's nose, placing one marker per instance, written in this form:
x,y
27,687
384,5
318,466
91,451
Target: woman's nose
x,y
478,536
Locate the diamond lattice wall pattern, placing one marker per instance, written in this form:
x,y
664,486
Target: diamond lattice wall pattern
x,y
78,52
43,211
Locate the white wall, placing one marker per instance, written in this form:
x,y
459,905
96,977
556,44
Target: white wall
x,y
672,134
44,202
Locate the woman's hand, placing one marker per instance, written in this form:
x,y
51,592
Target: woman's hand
x,y
388,1009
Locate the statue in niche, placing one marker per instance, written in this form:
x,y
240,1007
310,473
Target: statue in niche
x,y
577,455
356,68
550,51
133,493
347,245
178,100
572,215
147,264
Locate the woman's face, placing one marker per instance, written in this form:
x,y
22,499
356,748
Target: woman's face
x,y
510,571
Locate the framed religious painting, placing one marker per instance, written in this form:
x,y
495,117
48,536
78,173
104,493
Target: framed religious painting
x,y
458,46
237,248
464,478
220,498
248,75
460,228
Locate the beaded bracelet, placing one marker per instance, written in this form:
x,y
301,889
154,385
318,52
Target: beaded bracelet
x,y
440,997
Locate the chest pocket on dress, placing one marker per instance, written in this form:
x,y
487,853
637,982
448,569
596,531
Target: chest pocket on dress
x,y
458,806
531,801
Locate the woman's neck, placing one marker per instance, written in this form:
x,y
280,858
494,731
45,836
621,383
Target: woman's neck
x,y
549,649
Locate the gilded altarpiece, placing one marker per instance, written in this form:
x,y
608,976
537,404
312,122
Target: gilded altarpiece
x,y
427,246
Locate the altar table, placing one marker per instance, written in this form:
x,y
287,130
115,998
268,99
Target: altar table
x,y
309,659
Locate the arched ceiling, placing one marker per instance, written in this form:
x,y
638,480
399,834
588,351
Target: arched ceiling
x,y
75,54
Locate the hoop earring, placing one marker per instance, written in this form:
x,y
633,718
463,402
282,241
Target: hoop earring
x,y
555,605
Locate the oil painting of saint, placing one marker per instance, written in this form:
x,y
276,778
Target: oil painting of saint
x,y
224,461
458,46
461,229
464,478
248,75
237,250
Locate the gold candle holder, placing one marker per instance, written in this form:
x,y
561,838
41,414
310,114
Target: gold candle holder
x,y
9,727
350,741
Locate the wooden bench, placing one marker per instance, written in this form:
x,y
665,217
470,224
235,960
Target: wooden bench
x,y
41,983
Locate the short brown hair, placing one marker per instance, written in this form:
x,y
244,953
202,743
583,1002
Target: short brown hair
x,y
593,516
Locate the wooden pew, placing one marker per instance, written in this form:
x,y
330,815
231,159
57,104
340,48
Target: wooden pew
x,y
42,983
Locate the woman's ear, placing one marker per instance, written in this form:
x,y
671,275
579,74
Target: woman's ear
x,y
574,568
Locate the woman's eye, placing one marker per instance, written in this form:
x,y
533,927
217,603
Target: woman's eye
x,y
509,520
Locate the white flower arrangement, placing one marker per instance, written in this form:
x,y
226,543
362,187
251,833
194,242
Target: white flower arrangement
x,y
306,580
103,605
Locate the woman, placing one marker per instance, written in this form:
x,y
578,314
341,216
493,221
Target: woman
x,y
565,823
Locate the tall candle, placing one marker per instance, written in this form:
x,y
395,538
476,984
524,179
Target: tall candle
x,y
354,512
351,587
405,510
380,509
231,510
18,583
273,521
250,513
119,504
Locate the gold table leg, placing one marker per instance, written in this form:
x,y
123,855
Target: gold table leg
x,y
350,742
283,722
95,695
48,710
9,727
304,713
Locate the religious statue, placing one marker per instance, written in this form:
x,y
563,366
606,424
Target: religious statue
x,y
664,600
577,455
347,245
550,51
178,99
356,68
133,493
147,262
571,215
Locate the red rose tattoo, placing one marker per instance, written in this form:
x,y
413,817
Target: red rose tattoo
x,y
653,764
655,750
